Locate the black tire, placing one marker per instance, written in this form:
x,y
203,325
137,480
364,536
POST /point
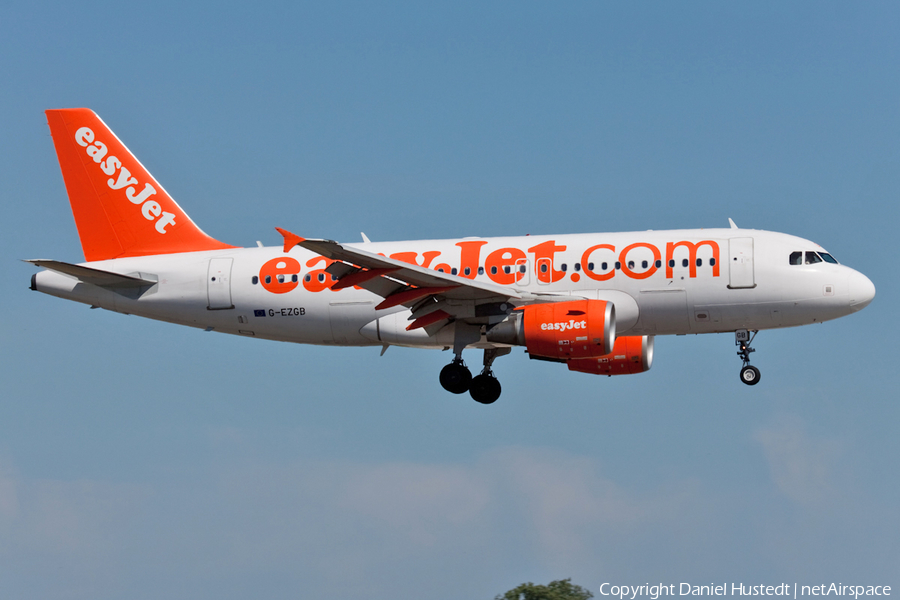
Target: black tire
x,y
485,389
455,378
750,375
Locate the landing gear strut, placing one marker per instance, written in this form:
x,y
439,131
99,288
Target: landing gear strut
x,y
742,339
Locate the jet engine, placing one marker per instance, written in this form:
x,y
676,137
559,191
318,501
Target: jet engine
x,y
560,330
631,354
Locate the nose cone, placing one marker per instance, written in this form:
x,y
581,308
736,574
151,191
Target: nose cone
x,y
862,290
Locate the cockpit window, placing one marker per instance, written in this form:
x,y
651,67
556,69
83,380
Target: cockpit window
x,y
812,258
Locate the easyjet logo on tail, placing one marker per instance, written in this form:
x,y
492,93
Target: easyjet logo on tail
x,y
150,209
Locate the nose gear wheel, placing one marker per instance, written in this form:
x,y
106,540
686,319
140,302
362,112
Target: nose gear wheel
x,y
742,339
750,375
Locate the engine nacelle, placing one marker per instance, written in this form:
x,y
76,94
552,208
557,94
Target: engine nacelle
x,y
631,354
560,330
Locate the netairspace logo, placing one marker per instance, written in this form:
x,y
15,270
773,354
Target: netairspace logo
x,y
654,592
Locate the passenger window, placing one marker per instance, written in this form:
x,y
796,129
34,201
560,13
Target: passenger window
x,y
658,264
828,258
603,266
522,268
507,269
712,262
481,270
453,271
493,270
618,265
294,278
699,262
307,278
796,258
812,258
255,280
577,267
644,264
591,266
543,267
672,262
268,279
468,271
630,264
684,262
563,267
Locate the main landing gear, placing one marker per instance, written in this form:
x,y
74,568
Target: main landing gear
x,y
743,339
484,388
456,377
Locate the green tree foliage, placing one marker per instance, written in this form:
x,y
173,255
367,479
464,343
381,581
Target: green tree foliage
x,y
555,590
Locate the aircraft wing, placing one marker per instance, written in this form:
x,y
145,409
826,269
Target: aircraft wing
x,y
433,296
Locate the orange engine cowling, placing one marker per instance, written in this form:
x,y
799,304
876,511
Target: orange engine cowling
x,y
631,354
569,330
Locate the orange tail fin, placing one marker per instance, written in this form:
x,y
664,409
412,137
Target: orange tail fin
x,y
120,209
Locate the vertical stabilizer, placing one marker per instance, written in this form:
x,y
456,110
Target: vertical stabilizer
x,y
120,209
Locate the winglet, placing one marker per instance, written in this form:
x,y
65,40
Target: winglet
x,y
733,226
290,239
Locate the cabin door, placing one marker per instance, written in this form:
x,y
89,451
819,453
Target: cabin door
x,y
740,263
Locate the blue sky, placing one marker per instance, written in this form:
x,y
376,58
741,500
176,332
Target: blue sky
x,y
143,460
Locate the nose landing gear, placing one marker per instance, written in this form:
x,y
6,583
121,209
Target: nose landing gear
x,y
742,339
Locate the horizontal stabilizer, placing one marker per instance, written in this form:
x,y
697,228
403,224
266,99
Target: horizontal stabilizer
x,y
93,276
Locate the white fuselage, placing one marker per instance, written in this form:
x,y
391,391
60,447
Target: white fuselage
x,y
661,283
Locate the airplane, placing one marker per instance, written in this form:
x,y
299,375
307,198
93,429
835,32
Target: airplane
x,y
593,302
